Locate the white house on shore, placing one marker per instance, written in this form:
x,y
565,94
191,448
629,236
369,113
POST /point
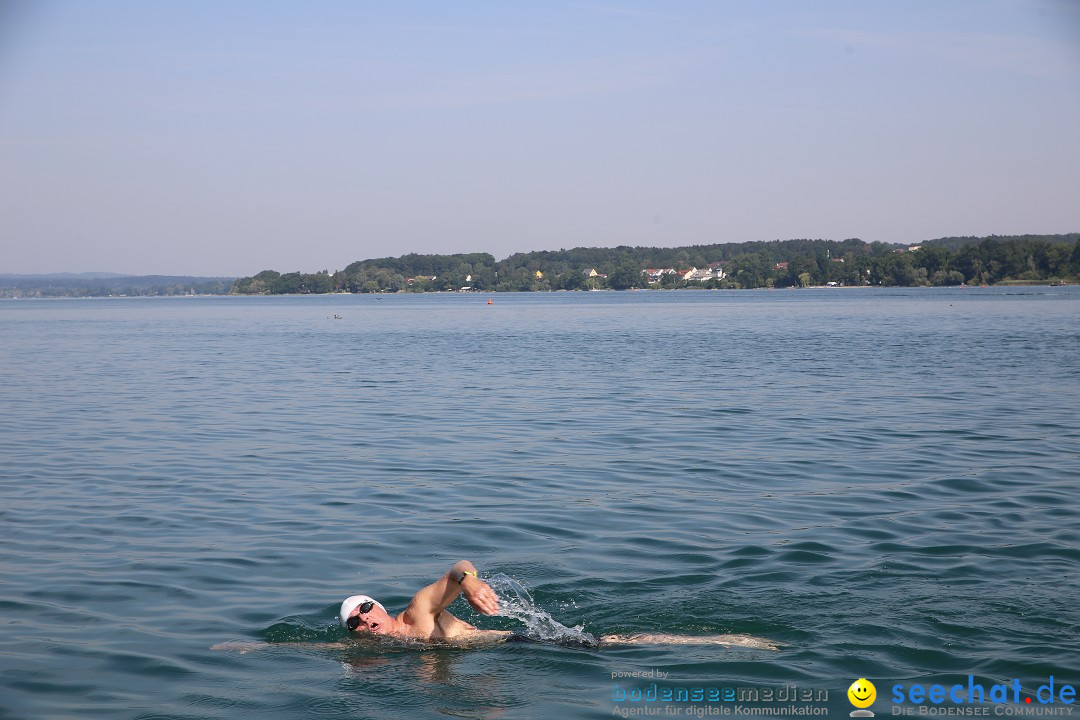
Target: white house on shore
x,y
714,270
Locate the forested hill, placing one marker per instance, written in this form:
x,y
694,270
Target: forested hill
x,y
781,263
952,244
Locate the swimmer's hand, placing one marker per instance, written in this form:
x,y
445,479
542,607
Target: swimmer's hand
x,y
480,595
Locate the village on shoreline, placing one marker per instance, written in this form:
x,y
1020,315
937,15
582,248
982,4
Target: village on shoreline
x,y
1027,259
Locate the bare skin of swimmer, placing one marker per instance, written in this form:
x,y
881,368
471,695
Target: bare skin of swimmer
x,y
426,617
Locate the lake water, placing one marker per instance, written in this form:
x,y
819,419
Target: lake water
x,y
883,482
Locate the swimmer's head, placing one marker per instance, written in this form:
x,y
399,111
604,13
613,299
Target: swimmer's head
x,y
362,612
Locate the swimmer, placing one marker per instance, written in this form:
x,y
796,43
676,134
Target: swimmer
x,y
426,617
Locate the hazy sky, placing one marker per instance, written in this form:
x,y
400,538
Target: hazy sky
x,y
229,136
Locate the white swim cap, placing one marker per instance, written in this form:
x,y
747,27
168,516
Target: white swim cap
x,y
350,604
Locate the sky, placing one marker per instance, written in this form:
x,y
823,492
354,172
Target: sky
x,y
224,138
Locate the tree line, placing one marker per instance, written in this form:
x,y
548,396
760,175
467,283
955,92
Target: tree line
x,y
781,263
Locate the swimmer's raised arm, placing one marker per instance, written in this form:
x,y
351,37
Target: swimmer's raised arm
x,y
459,579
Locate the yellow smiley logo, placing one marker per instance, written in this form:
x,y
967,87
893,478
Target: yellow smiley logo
x,y
862,693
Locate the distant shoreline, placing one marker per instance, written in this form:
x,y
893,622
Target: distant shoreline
x,y
539,292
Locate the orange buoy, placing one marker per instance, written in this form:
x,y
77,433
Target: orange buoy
x,y
490,301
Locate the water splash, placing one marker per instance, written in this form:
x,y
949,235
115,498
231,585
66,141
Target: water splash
x,y
515,602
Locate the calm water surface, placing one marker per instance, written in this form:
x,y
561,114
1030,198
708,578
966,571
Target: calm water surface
x,y
883,482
